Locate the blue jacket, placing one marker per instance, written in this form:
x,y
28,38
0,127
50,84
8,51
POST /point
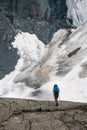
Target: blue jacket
x,y
56,88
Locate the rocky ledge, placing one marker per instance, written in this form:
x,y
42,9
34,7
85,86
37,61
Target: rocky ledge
x,y
20,114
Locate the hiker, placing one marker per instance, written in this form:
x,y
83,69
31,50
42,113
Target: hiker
x,y
56,93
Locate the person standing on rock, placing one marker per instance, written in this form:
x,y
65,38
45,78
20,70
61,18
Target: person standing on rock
x,y
56,93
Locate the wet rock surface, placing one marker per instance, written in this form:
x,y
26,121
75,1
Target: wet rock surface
x,y
20,114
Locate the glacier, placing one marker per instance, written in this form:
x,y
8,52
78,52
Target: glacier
x,y
77,11
62,61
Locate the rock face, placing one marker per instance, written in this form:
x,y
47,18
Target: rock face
x,y
8,55
20,114
35,16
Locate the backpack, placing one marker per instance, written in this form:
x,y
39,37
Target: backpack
x,y
56,88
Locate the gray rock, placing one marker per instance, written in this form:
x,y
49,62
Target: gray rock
x,y
23,114
8,55
50,13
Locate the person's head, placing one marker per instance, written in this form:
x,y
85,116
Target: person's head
x,y
55,85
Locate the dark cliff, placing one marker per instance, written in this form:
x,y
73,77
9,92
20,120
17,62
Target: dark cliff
x,y
42,17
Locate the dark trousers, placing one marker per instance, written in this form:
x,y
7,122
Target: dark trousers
x,y
56,95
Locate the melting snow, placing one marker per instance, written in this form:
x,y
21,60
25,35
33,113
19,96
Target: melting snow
x,y
32,51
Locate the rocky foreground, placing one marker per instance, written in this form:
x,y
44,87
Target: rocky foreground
x,y
18,114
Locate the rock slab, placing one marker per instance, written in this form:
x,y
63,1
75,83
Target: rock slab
x,y
20,114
